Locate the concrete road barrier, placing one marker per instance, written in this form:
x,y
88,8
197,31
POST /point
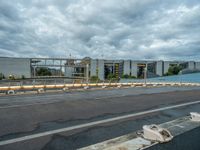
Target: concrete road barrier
x,y
89,85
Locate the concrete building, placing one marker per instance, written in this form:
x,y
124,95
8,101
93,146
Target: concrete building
x,y
15,66
191,65
134,68
93,70
159,68
88,67
100,69
127,67
166,66
197,65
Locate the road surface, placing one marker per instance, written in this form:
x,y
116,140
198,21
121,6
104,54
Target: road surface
x,y
73,120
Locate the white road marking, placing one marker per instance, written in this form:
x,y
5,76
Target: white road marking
x,y
179,126
46,133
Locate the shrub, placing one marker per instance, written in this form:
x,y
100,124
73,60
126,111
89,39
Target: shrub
x,y
94,79
133,77
126,76
111,76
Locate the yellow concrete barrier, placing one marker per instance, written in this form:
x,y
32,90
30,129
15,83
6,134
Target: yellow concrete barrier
x,y
31,87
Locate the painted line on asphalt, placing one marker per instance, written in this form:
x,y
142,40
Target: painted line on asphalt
x,y
86,125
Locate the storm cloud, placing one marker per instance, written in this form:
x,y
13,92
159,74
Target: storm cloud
x,y
109,29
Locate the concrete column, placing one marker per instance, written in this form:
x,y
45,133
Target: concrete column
x,y
134,68
127,69
166,66
159,68
101,69
93,67
191,65
197,65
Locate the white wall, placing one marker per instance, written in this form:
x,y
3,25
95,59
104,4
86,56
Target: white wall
x,y
93,67
166,66
127,69
191,65
197,65
159,68
15,66
134,68
101,69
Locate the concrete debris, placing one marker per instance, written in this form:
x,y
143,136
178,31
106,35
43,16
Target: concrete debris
x,y
156,133
195,116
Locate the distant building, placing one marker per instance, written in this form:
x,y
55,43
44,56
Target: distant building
x,y
88,67
15,66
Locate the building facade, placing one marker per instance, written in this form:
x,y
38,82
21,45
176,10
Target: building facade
x,y
17,67
88,67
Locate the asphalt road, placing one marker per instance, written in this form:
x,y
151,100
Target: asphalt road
x,y
29,115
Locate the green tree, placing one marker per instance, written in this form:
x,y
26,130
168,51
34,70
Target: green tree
x,y
23,77
173,70
43,72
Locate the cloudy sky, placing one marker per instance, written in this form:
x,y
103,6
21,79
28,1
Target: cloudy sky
x,y
110,29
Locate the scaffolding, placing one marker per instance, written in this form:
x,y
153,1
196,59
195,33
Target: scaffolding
x,y
60,66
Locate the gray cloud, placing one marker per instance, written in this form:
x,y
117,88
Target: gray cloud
x,y
112,29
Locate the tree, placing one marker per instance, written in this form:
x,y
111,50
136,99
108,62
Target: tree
x,y
43,72
23,77
173,70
